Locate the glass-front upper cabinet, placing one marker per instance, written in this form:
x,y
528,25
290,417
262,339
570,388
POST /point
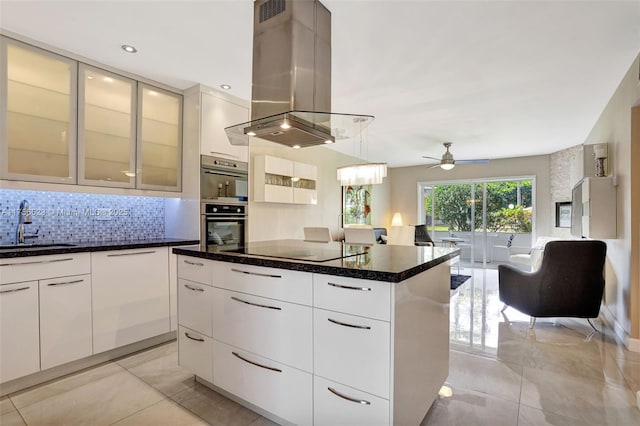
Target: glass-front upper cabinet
x,y
106,128
37,115
159,156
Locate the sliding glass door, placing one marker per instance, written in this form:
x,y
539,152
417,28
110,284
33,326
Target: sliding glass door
x,y
481,217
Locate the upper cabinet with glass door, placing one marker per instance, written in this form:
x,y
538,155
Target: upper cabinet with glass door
x,y
159,159
37,115
106,128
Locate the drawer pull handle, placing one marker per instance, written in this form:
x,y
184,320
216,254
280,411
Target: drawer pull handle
x,y
363,327
193,338
348,287
256,273
193,288
36,262
66,283
256,304
131,254
256,364
188,262
15,290
348,398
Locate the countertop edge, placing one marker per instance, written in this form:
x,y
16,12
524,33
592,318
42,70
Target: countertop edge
x,y
94,247
319,268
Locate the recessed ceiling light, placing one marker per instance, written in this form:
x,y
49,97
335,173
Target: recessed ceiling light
x,y
328,141
225,86
129,49
251,133
296,146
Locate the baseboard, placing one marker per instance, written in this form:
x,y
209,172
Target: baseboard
x,y
633,345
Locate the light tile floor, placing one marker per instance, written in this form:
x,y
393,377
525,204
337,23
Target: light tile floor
x,y
501,373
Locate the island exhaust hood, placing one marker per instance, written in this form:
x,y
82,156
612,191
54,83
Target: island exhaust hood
x,y
291,83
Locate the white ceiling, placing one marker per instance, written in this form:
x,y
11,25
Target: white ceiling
x,y
498,78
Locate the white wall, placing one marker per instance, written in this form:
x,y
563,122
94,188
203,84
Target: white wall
x,y
268,221
614,127
404,180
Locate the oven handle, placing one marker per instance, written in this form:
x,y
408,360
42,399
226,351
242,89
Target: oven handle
x,y
213,217
225,173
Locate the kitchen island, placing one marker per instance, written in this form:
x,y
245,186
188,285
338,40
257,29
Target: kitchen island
x,y
318,333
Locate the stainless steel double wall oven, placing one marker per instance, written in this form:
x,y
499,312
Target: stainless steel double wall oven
x,y
224,195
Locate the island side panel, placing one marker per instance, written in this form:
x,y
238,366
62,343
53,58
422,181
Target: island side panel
x,y
421,342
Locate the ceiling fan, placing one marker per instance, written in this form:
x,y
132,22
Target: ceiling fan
x,y
447,162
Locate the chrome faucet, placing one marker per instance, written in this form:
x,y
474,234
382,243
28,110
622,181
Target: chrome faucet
x,y
24,218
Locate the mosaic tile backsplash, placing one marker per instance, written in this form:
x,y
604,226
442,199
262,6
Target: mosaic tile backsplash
x,y
66,217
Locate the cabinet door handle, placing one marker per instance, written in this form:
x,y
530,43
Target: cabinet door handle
x,y
131,254
188,262
256,304
256,273
348,398
66,282
363,327
256,364
348,287
37,262
15,290
193,288
193,338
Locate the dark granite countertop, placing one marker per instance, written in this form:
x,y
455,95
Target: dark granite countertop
x,y
379,263
89,246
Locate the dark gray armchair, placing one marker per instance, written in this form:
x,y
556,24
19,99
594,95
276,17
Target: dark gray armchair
x,y
569,283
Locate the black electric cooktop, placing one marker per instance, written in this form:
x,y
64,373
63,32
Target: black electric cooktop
x,y
307,253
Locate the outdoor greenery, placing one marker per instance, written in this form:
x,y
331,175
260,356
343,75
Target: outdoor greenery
x,y
453,206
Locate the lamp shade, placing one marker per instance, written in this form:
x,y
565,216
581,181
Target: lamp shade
x,y
397,219
362,174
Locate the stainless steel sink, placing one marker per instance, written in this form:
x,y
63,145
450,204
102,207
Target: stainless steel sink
x,y
34,246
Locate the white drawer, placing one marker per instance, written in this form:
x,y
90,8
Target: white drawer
x,y
352,350
195,306
195,269
366,298
337,405
281,284
279,389
42,267
195,352
277,330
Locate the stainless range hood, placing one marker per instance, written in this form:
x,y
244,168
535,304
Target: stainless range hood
x,y
291,88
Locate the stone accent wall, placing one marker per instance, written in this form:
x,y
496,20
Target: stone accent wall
x,y
560,185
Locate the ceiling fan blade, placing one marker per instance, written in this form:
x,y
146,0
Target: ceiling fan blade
x,y
434,166
431,158
472,161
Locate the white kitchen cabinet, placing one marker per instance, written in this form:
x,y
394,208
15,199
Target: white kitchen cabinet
x,y
106,128
598,207
207,112
130,296
274,329
195,353
195,302
65,320
159,147
336,404
19,331
38,118
219,111
357,297
277,388
41,267
278,180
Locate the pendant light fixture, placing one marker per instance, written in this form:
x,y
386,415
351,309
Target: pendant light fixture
x,y
362,174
